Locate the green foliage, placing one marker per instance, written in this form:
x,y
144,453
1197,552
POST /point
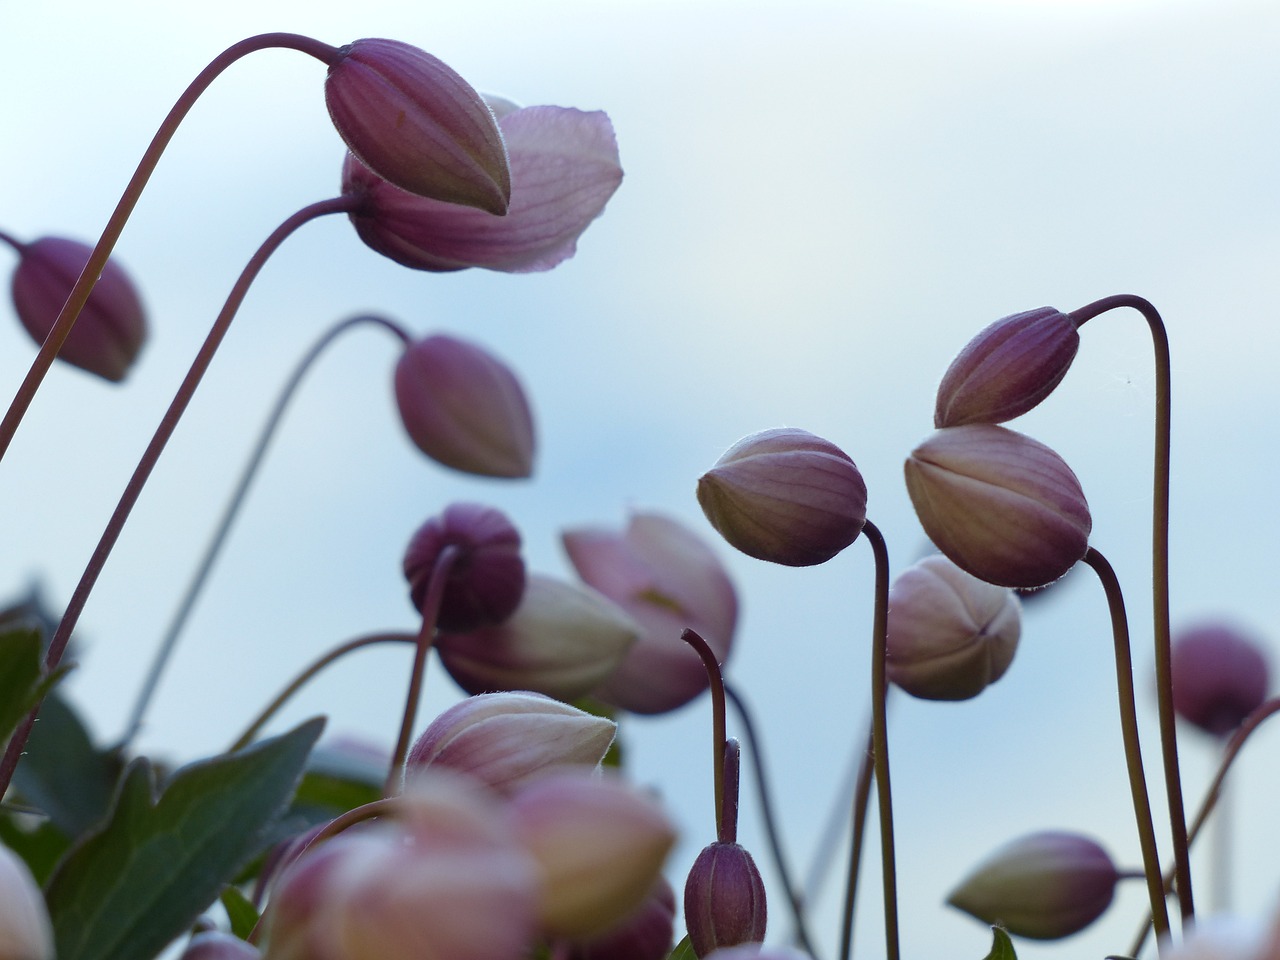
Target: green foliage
x,y
1002,947
22,679
242,914
683,951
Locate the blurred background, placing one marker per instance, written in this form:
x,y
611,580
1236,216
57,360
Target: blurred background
x,y
823,202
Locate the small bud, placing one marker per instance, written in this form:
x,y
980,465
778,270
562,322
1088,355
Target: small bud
x,y
216,945
486,581
645,934
785,496
504,739
724,899
1044,886
563,640
1007,369
1219,675
464,408
416,122
25,931
950,634
1002,506
111,328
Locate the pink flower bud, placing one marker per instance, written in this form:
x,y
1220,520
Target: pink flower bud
x,y
724,900
1002,506
564,169
1007,369
216,945
464,408
1044,886
563,640
418,124
25,931
950,634
667,579
786,496
111,328
600,845
1220,676
504,739
645,934
486,581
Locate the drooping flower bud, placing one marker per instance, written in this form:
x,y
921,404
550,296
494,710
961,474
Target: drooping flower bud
x,y
25,931
464,408
724,899
216,945
563,640
1044,886
1219,675
504,739
111,328
486,581
1007,369
645,934
786,496
1002,506
950,634
418,124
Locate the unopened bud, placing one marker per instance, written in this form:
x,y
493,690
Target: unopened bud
x,y
724,899
1220,676
25,931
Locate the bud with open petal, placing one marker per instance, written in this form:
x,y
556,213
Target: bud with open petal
x,y
1044,886
415,121
1007,369
724,899
1219,675
645,934
25,931
1004,507
486,580
563,640
950,634
111,328
504,739
464,408
787,496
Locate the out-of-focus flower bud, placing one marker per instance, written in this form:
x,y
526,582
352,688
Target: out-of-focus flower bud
x,y
758,951
667,579
1219,675
643,935
417,123
503,739
786,496
1002,506
1044,886
1007,369
464,408
25,931
724,900
563,640
600,845
112,326
950,634
216,945
564,169
486,581
1226,937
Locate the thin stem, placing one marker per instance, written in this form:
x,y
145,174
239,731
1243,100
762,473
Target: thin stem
x,y
1129,731
115,225
770,821
58,645
1160,584
716,680
430,613
201,575
861,801
732,774
301,680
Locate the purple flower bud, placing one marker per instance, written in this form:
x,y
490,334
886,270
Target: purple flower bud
x,y
1002,506
724,900
786,496
564,169
1007,369
1220,676
645,934
111,328
25,931
464,408
216,945
486,581
563,640
1044,886
950,634
417,123
504,739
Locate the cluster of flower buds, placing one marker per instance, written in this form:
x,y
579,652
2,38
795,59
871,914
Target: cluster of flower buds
x,y
1220,676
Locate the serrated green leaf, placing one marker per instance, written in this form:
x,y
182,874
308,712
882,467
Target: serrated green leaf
x,y
242,914
683,951
1002,946
131,888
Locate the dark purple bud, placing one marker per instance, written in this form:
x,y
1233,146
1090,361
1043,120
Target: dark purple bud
x,y
1220,676
724,900
644,935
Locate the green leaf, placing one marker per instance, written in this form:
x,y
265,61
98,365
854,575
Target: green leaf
x,y
683,951
242,914
137,884
1002,948
41,848
22,679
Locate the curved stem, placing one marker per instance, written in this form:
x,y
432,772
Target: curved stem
x,y
58,645
861,801
201,575
1160,583
132,192
716,682
1129,730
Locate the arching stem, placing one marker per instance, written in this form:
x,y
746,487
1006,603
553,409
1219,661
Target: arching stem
x,y
717,718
